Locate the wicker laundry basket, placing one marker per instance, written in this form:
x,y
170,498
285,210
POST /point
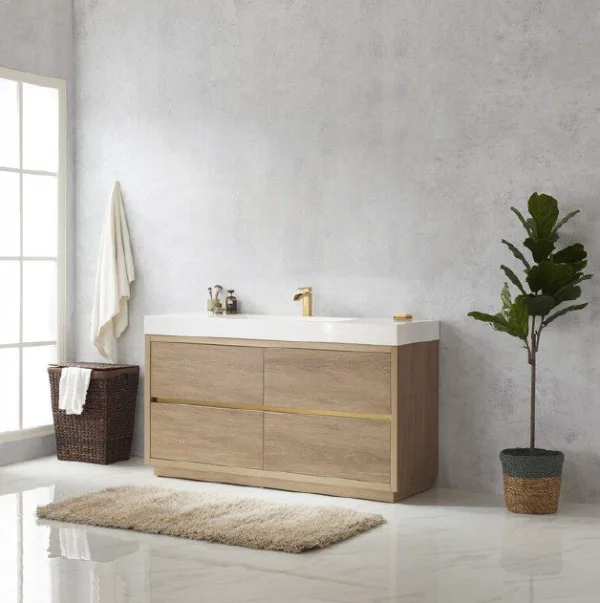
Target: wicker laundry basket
x,y
102,433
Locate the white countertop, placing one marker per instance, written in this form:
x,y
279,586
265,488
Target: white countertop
x,y
370,331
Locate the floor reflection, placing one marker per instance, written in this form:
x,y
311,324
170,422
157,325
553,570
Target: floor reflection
x,y
51,562
26,574
439,547
531,548
41,562
94,568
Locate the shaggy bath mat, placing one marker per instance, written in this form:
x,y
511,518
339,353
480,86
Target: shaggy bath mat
x,y
253,523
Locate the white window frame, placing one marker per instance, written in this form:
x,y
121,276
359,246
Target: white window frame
x,y
61,175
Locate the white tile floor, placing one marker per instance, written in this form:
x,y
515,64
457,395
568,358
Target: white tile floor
x,y
441,546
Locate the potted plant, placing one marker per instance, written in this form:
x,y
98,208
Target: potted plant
x,y
532,476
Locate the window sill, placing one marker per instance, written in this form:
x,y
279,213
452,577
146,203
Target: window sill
x,y
25,434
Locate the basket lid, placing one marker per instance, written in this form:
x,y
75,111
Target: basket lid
x,y
95,366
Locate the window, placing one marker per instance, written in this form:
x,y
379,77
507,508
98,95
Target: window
x,y
32,234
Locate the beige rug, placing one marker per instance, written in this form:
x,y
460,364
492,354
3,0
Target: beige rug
x,y
253,523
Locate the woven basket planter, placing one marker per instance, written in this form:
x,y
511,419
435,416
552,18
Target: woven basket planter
x,y
102,433
532,481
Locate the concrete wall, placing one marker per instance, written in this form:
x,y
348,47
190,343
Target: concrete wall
x,y
370,149
37,37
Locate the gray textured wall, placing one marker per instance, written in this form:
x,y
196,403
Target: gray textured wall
x,y
37,37
370,149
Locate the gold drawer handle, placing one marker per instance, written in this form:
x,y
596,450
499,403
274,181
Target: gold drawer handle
x,y
277,409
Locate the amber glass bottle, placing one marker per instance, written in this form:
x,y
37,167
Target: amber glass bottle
x,y
231,304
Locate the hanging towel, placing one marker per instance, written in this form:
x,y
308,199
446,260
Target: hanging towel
x,y
115,272
74,383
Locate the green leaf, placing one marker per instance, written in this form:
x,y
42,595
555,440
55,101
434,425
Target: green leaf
x,y
580,266
560,313
540,248
572,254
506,300
518,318
513,278
539,305
517,253
532,227
544,211
528,225
492,319
549,277
565,220
580,278
502,325
497,321
569,293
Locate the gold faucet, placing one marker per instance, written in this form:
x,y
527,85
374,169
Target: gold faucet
x,y
307,297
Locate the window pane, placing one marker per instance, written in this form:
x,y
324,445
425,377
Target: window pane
x,y
9,301
37,409
40,215
39,301
9,548
9,213
40,128
9,123
37,568
9,390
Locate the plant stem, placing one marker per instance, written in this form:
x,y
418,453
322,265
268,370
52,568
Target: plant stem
x,y
532,362
539,334
532,419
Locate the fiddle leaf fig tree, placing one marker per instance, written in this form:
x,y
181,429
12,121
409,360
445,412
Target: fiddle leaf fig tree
x,y
552,281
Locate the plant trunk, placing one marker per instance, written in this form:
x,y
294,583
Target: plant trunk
x,y
533,363
532,418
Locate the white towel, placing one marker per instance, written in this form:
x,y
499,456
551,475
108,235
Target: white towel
x,y
74,383
115,272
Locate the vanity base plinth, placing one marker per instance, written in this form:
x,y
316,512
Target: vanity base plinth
x,y
276,483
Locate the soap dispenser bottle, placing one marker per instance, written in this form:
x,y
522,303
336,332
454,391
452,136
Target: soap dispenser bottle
x,y
231,304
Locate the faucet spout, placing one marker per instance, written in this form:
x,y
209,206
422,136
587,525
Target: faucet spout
x,y
306,296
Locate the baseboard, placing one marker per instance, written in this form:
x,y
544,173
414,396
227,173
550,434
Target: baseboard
x,y
27,449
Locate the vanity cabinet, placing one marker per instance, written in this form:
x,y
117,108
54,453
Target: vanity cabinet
x,y
343,419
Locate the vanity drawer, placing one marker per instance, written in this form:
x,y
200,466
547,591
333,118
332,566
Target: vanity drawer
x,y
357,382
356,449
206,373
215,436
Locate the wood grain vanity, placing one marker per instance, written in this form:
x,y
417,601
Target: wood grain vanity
x,y
343,419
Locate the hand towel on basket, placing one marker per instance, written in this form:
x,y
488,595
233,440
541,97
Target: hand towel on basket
x,y
74,383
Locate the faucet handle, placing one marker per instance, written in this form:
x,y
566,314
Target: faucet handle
x,y
305,289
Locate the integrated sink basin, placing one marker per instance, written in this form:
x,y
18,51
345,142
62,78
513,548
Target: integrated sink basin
x,y
324,319
370,331
277,317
